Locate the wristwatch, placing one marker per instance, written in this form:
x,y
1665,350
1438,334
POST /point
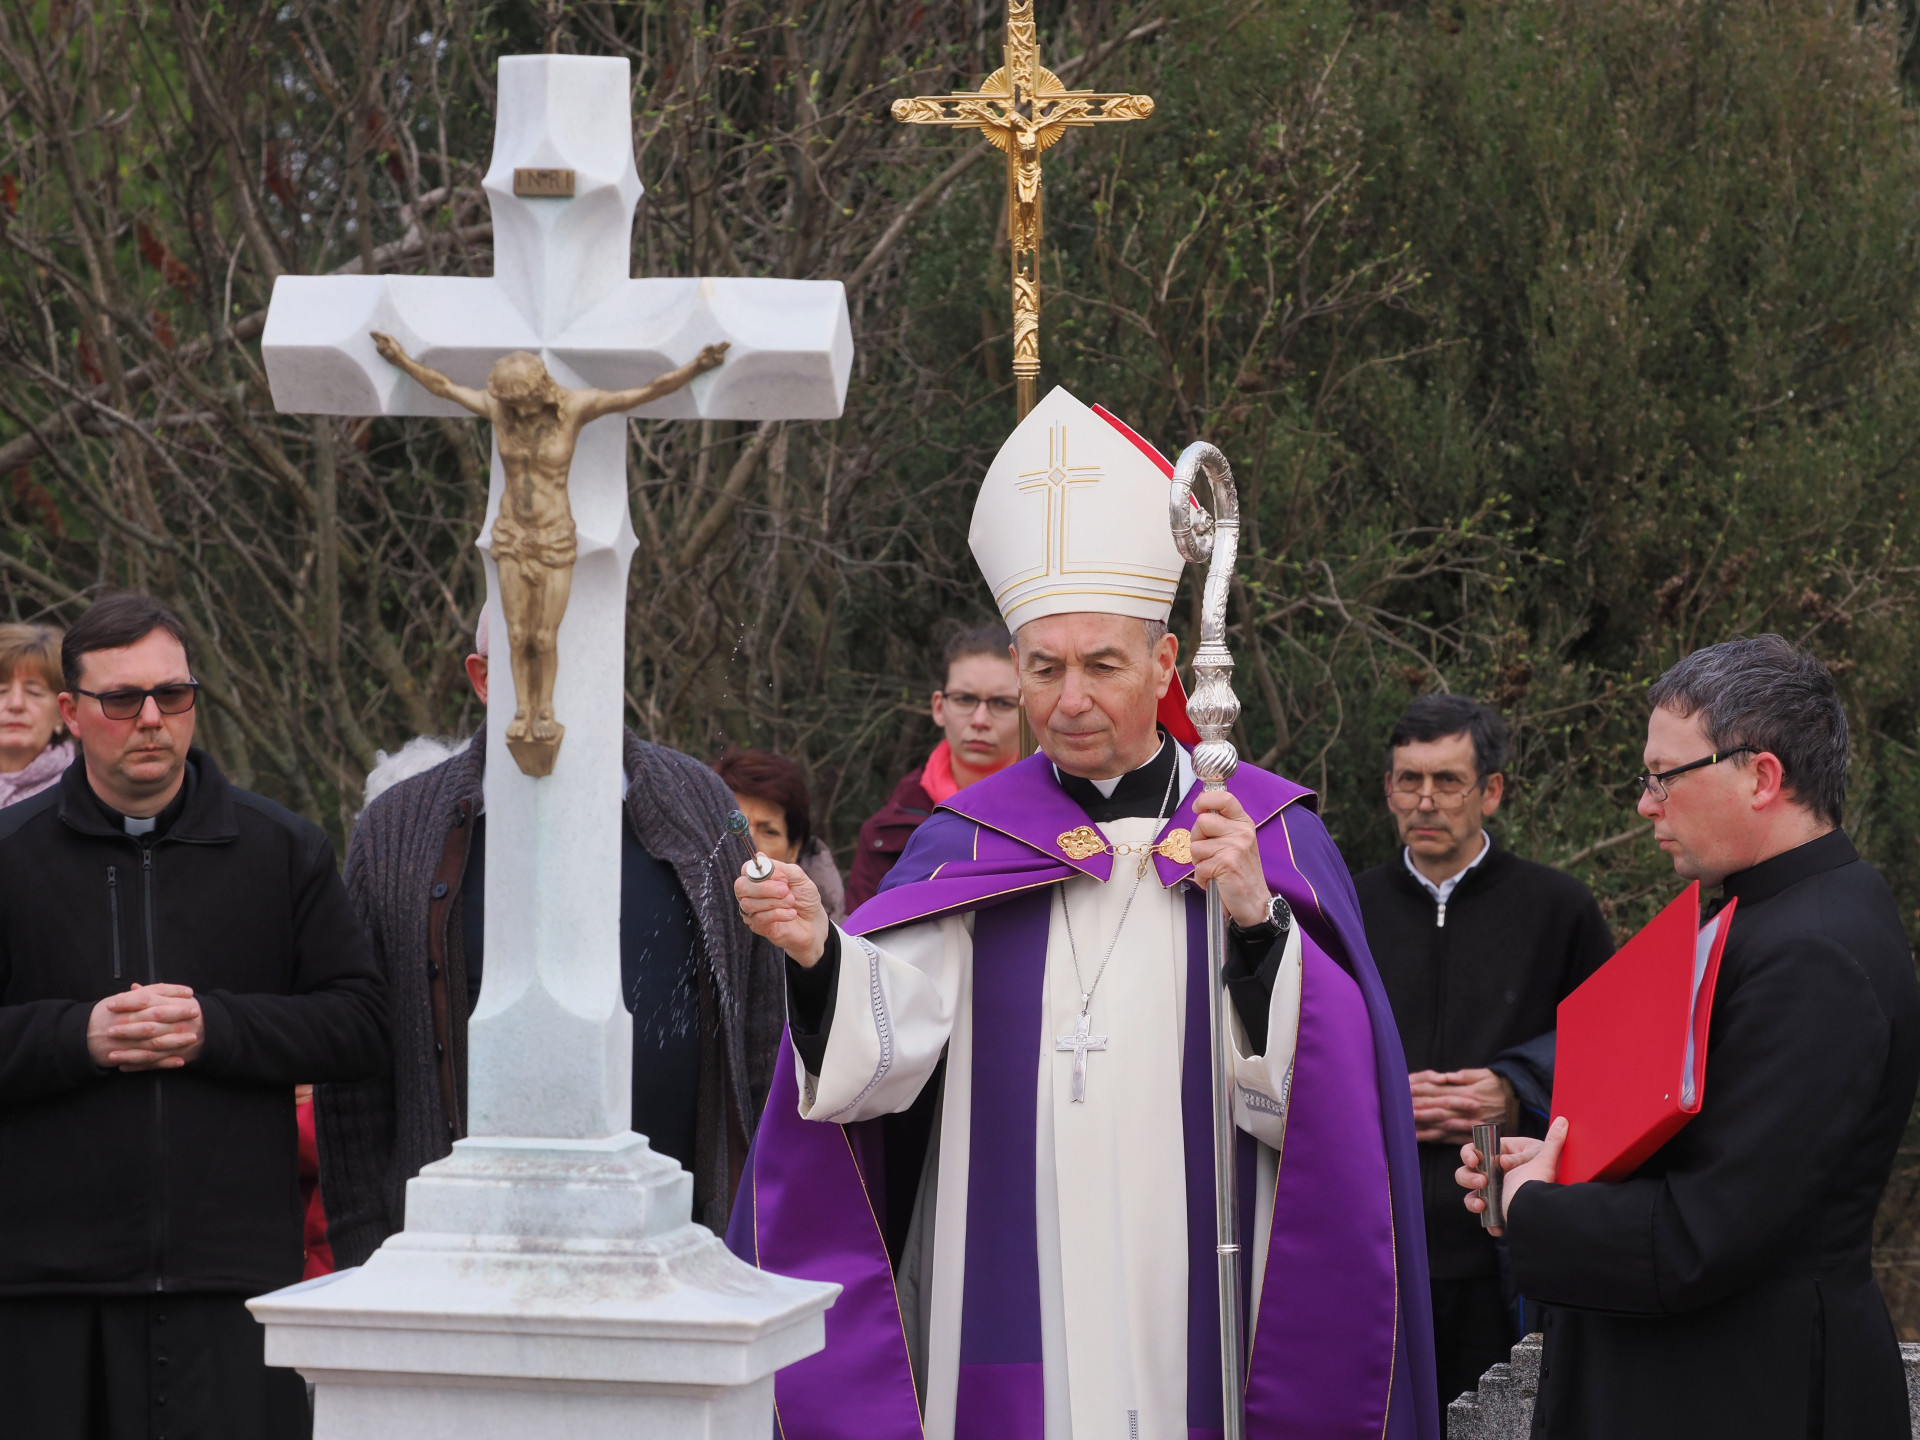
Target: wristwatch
x,y
1279,920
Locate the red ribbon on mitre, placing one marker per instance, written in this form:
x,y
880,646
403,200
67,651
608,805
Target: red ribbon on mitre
x,y
1173,704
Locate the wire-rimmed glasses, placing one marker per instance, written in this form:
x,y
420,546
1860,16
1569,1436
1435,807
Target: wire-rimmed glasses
x,y
966,703
1448,792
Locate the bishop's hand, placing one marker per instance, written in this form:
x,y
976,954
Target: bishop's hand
x,y
1226,848
785,908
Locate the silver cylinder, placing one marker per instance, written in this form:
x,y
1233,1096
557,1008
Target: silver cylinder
x,y
1486,1139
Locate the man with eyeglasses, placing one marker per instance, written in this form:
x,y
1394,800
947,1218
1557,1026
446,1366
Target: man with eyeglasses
x,y
978,708
1476,947
1726,1287
176,955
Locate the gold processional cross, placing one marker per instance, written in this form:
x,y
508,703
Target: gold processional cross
x,y
1022,109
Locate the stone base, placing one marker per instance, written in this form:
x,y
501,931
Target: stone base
x,y
546,1288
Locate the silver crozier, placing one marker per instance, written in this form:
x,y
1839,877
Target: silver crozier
x,y
1213,708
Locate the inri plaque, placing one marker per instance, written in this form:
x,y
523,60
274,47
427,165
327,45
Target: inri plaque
x,y
552,184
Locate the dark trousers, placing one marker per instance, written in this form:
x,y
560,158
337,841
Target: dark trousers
x,y
1472,1332
161,1367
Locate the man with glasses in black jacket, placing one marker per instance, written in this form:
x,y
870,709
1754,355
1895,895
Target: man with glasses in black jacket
x,y
1476,947
176,955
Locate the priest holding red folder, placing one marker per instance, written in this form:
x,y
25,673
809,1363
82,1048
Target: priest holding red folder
x,y
1725,1287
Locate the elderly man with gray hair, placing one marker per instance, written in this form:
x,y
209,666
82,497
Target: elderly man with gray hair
x,y
1726,1288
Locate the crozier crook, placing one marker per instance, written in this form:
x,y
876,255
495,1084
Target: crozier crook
x,y
1200,536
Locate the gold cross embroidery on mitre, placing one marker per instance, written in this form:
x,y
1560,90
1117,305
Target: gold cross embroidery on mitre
x,y
1023,109
1055,480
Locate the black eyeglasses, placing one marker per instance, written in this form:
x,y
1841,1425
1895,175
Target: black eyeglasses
x,y
174,699
966,704
1656,784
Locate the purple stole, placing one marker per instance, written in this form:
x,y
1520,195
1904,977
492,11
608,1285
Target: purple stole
x,y
1340,1344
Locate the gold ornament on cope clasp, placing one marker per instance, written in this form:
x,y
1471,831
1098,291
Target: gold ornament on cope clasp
x,y
1083,842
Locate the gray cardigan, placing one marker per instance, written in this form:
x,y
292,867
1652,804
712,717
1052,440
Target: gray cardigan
x,y
376,1135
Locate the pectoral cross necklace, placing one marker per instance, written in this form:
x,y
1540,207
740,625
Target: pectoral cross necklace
x,y
1081,1041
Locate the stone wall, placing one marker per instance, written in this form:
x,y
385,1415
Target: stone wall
x,y
1502,1408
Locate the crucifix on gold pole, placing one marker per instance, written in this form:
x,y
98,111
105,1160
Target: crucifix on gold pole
x,y
1022,109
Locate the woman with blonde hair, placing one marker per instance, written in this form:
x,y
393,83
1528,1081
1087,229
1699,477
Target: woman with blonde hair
x,y
34,746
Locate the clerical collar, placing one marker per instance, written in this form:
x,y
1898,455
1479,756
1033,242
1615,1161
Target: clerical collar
x,y
1767,879
1138,794
151,827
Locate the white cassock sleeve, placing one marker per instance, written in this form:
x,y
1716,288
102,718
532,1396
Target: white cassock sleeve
x,y
893,1014
1261,1083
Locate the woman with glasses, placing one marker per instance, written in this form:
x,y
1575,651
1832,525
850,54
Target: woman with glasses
x,y
977,708
34,745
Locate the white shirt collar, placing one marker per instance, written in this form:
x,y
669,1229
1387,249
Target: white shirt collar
x,y
1444,888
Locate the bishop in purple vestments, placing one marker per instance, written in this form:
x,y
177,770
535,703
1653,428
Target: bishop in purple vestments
x,y
991,1123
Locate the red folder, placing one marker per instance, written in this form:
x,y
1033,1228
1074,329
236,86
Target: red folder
x,y
1631,1061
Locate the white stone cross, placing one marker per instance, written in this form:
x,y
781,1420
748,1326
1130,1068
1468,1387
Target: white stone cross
x,y
549,1280
551,1040
1080,1042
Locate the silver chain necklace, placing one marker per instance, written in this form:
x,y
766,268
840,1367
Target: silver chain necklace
x,y
1081,1042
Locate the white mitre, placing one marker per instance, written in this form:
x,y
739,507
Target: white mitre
x,y
1073,516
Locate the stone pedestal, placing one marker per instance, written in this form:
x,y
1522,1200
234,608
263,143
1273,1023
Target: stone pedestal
x,y
546,1288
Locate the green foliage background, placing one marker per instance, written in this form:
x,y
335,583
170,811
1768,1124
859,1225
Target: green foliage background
x,y
1549,339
